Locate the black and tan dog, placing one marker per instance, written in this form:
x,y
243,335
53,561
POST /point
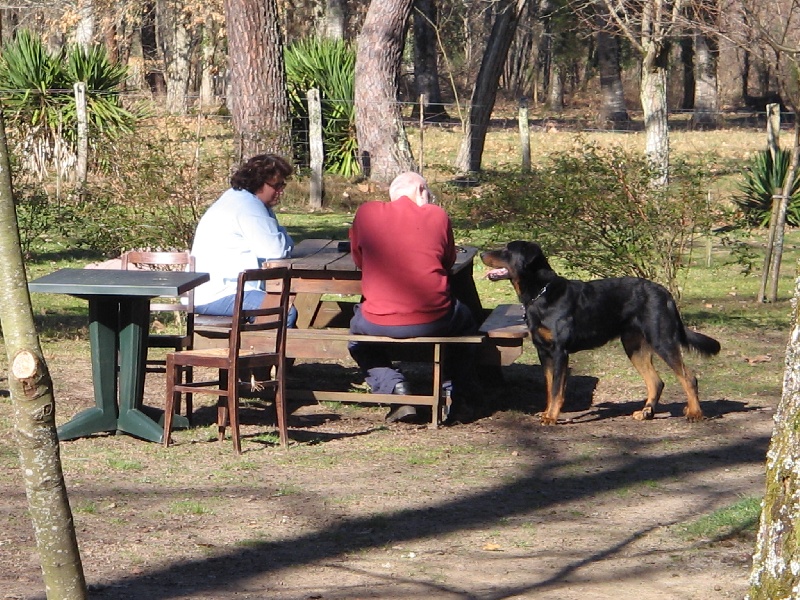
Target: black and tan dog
x,y
566,316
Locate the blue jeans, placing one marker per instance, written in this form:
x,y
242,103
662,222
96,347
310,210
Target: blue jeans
x,y
374,361
252,299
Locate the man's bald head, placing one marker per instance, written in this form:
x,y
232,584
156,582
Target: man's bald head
x,y
412,185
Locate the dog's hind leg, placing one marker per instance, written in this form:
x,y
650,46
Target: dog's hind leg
x,y
672,355
555,377
640,354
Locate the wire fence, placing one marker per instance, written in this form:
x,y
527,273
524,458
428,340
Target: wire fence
x,y
435,132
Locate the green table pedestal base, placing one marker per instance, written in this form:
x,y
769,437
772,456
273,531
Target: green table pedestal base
x,y
118,331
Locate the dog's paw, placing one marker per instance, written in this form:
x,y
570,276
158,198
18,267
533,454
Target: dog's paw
x,y
547,420
646,414
693,416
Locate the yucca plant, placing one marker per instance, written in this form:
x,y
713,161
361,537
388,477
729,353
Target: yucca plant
x,y
329,66
36,87
103,79
761,178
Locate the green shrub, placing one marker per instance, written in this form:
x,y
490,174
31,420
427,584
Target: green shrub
x,y
152,193
38,215
761,178
597,211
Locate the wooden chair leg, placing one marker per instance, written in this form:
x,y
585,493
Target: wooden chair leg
x,y
172,373
280,407
186,377
189,400
233,412
222,405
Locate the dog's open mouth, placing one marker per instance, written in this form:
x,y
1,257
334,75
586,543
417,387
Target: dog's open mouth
x,y
497,274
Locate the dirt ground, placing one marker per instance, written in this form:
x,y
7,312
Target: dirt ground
x,y
497,508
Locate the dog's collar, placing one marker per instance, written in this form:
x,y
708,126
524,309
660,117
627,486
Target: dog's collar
x,y
539,295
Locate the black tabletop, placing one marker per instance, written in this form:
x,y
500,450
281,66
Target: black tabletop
x,y
117,282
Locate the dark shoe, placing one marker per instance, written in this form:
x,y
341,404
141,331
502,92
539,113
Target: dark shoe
x,y
402,412
402,389
459,413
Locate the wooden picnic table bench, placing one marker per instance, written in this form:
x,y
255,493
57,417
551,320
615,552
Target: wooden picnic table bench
x,y
499,342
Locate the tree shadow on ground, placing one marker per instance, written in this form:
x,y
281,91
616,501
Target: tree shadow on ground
x,y
537,489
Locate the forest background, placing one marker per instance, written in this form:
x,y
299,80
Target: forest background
x,y
182,116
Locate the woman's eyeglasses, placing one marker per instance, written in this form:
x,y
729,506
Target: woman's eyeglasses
x,y
277,186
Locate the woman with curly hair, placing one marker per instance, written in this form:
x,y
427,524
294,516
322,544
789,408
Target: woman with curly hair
x,y
240,231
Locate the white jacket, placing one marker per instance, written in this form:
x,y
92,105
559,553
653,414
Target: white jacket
x,y
236,233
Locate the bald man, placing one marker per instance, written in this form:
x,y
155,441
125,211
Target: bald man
x,y
405,249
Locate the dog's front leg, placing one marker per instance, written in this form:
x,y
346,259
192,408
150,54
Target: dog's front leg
x,y
555,367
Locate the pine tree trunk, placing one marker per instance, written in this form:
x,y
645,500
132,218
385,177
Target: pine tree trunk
x,y
613,95
257,97
484,93
383,146
34,411
175,42
426,65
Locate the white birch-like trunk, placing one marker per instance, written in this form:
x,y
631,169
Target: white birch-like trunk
x,y
653,95
34,411
776,562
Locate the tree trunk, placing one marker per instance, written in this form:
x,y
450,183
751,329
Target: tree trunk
x,y
334,20
208,68
426,65
687,65
555,89
136,75
613,95
175,42
84,31
257,96
653,95
776,563
34,410
706,55
384,150
484,93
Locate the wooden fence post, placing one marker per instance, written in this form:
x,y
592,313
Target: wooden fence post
x,y
773,138
524,135
421,132
316,149
83,137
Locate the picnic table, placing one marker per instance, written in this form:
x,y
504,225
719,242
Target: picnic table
x,y
322,267
119,319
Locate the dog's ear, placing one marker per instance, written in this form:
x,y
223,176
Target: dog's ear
x,y
532,251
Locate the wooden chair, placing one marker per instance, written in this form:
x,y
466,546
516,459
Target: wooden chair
x,y
181,307
239,360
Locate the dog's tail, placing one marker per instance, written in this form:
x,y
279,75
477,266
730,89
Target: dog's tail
x,y
702,343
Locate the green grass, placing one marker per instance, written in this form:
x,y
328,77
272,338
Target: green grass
x,y
189,507
123,464
739,519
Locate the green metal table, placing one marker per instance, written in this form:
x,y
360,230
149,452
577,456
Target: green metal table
x,y
119,319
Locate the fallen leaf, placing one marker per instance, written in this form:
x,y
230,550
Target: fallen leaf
x,y
761,358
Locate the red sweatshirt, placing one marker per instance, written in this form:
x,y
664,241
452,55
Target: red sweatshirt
x,y
405,252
